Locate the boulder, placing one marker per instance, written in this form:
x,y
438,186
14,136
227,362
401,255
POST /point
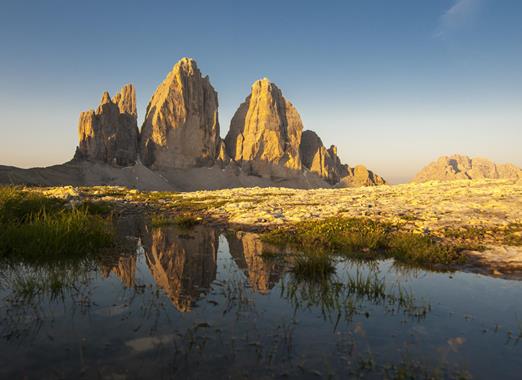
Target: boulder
x,y
181,127
265,133
109,134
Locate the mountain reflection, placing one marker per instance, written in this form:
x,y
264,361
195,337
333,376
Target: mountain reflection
x,y
124,269
246,249
183,263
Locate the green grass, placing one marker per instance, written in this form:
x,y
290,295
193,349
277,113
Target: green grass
x,y
34,228
29,283
18,205
364,238
476,235
182,220
313,267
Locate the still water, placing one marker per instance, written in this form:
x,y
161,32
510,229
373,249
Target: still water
x,y
204,303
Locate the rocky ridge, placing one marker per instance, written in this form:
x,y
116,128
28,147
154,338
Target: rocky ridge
x,y
458,166
180,139
109,134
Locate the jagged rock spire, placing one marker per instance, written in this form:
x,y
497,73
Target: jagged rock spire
x,y
265,133
181,127
110,134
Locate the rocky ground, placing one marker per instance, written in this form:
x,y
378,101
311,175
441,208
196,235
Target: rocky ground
x,y
479,213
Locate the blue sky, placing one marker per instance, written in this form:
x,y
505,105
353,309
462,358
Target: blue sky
x,y
394,84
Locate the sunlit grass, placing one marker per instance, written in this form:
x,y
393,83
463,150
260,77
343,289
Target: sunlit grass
x,y
364,238
182,220
36,228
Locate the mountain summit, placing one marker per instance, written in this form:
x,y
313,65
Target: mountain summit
x,y
463,167
181,127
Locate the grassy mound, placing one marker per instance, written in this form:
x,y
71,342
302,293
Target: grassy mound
x,y
366,239
36,228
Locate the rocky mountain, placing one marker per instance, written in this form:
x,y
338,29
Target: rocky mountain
x,y
180,148
324,162
265,133
181,127
109,134
463,167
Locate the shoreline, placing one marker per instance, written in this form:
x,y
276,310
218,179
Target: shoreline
x,y
482,213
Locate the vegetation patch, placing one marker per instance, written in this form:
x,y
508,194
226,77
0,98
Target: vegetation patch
x,y
34,228
181,220
365,238
313,267
477,236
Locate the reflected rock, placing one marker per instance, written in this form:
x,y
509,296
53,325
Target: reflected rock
x,y
183,263
246,250
124,269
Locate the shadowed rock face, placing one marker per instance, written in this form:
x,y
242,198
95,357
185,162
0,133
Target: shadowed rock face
x,y
181,127
325,163
109,134
463,167
183,264
265,133
320,160
246,249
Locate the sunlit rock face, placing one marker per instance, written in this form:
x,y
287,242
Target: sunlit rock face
x,y
246,249
183,263
181,127
463,167
265,133
360,176
109,134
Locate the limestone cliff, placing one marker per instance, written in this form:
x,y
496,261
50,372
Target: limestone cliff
x,y
181,127
109,134
463,167
265,133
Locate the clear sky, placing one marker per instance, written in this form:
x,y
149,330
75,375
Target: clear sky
x,y
394,84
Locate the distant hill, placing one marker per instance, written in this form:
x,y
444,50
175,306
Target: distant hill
x,y
457,166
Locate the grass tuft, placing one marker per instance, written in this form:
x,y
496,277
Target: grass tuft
x,y
182,220
364,238
34,228
313,267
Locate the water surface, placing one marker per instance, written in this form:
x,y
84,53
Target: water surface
x,y
204,303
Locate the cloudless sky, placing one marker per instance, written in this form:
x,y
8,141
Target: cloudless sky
x,y
394,84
